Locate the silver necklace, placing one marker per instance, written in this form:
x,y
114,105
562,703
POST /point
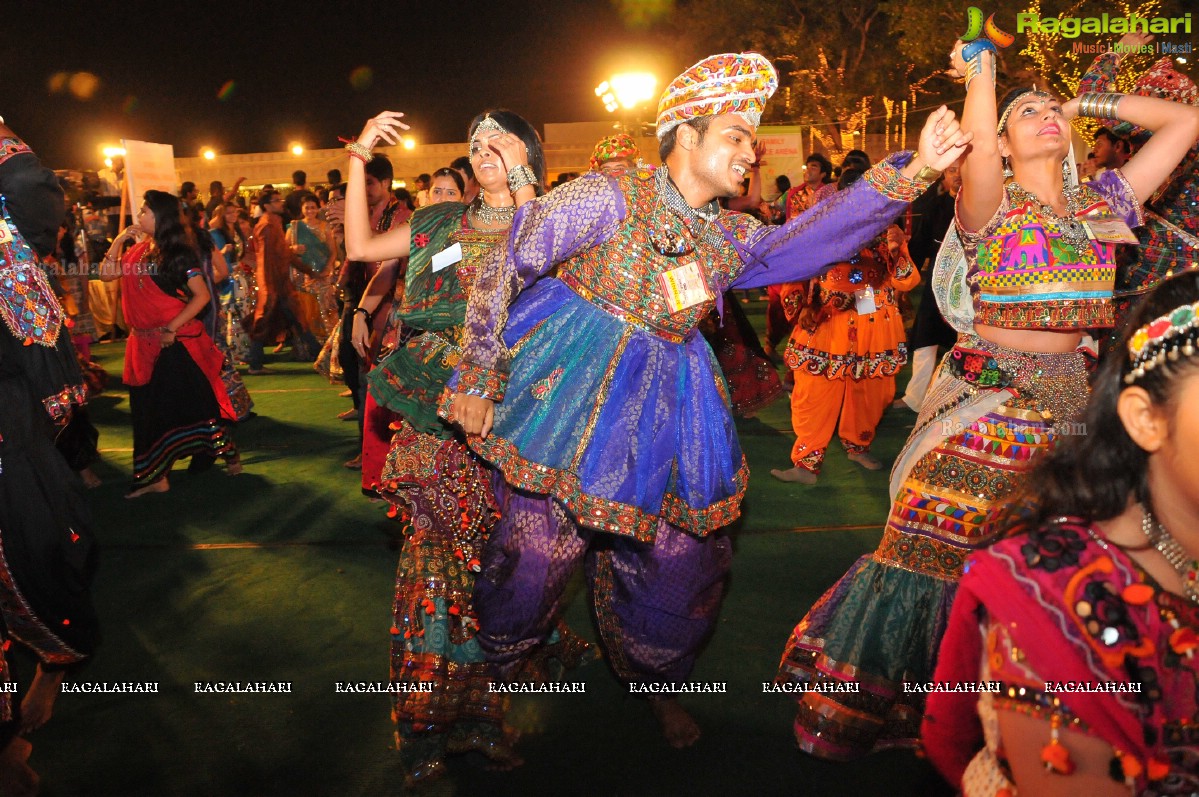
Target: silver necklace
x,y
1186,566
1072,229
482,213
698,221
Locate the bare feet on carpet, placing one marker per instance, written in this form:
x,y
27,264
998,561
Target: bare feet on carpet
x,y
38,704
796,475
680,728
16,778
866,461
160,486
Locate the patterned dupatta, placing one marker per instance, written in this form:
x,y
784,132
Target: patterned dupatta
x,y
1079,610
316,250
433,300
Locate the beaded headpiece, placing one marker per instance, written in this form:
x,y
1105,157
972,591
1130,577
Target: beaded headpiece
x,y
1036,92
488,125
1167,337
617,145
737,83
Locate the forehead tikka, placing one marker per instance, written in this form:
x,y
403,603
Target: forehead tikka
x,y
488,125
1034,92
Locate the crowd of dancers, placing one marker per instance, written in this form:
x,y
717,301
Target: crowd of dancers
x,y
544,380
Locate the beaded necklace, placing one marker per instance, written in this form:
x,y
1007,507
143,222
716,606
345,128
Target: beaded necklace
x,y
484,214
1183,563
1072,229
698,222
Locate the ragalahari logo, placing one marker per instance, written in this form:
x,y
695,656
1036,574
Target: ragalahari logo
x,y
976,28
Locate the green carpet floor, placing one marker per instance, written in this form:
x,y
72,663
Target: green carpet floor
x,y
284,574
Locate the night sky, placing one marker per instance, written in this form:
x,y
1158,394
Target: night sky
x,y
254,76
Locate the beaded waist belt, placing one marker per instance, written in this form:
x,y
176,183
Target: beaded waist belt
x,y
608,307
1056,381
979,368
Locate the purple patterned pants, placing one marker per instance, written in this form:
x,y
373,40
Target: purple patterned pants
x,y
655,604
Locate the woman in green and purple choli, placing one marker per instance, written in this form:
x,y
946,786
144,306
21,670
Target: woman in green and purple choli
x,y
442,491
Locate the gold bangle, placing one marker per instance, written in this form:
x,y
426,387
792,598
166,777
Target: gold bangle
x,y
359,151
927,174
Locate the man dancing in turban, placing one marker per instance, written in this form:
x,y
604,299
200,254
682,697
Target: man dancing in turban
x,y
598,401
615,154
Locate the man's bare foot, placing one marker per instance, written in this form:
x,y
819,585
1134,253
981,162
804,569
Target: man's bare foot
x,y
679,728
796,475
233,466
90,480
38,704
866,461
16,778
160,486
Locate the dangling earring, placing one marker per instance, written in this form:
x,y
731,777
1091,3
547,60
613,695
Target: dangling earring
x,y
1007,169
1066,172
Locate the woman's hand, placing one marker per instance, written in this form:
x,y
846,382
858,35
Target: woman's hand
x,y
895,238
299,249
759,151
942,139
957,64
1070,108
360,334
167,337
474,414
510,149
384,127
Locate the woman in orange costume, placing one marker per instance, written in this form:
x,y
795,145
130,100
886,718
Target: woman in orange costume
x,y
846,347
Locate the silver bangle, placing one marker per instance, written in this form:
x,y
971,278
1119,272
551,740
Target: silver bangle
x,y
519,177
1099,106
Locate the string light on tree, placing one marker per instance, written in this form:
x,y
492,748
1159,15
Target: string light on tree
x,y
1061,69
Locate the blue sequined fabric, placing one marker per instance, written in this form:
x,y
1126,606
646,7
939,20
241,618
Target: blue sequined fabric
x,y
621,423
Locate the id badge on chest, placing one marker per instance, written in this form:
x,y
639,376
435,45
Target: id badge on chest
x,y
1109,230
684,287
863,301
447,257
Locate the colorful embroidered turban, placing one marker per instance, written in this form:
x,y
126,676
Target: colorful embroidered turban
x,y
737,83
617,145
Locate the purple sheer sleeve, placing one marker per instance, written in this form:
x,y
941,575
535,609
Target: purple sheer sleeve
x,y
572,218
831,232
1115,190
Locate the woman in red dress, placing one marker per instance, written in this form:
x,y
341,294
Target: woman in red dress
x,y
177,401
